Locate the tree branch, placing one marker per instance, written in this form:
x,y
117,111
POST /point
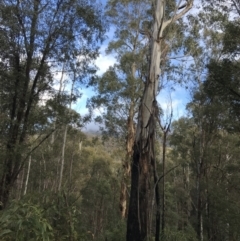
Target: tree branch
x,y
34,148
159,179
177,16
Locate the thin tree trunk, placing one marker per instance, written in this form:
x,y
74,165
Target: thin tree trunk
x,y
187,203
28,173
158,203
65,138
70,172
129,152
58,185
126,163
163,181
199,209
165,130
62,158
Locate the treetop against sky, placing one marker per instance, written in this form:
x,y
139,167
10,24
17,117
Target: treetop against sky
x,y
171,96
168,98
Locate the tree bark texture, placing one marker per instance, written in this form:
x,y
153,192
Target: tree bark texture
x,y
28,173
137,224
158,204
127,162
131,129
165,132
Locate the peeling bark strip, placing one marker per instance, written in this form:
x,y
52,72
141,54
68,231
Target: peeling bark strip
x,y
137,225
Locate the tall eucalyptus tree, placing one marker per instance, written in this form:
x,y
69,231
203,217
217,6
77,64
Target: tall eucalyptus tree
x,y
119,89
143,156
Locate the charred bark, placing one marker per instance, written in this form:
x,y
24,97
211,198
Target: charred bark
x,y
138,206
137,224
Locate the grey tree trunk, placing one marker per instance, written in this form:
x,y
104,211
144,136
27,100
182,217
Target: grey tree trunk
x,y
137,224
129,152
28,173
65,138
62,158
165,130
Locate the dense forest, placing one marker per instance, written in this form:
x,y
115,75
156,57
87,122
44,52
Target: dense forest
x,y
146,174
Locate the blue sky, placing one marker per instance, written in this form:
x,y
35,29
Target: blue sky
x,y
178,97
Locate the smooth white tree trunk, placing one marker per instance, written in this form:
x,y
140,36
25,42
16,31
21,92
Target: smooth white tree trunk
x,y
62,157
28,173
64,140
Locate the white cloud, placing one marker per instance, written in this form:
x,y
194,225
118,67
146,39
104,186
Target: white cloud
x,y
92,127
103,62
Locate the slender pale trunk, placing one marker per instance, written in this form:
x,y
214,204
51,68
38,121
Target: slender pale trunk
x,y
62,157
208,215
227,210
64,141
187,203
199,204
163,180
158,203
129,152
57,184
71,165
165,130
28,173
199,182
137,225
